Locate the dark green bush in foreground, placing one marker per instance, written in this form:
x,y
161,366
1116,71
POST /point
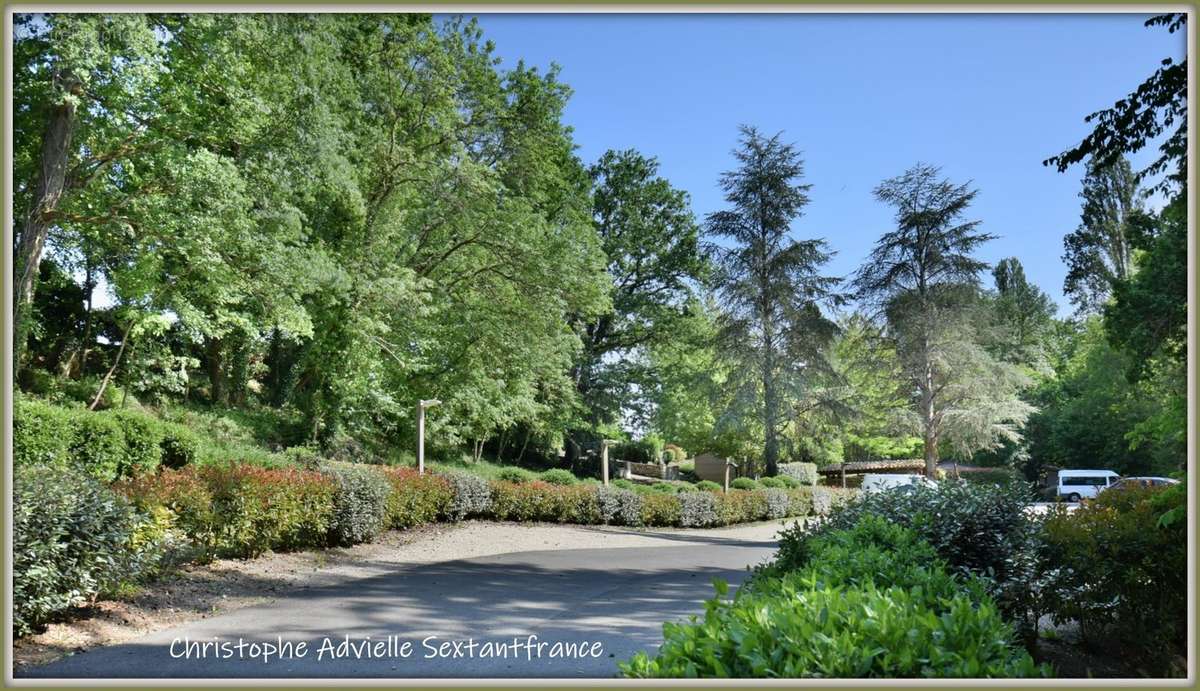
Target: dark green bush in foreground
x,y
874,601
73,538
1120,569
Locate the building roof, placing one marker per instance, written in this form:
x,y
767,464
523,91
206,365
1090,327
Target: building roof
x,y
857,467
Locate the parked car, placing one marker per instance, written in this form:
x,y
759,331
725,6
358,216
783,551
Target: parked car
x,y
880,482
1074,485
1141,481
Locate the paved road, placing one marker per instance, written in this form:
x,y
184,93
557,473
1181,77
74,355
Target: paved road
x,y
617,598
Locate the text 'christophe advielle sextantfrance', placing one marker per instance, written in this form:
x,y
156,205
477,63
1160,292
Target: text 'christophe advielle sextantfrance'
x,y
387,647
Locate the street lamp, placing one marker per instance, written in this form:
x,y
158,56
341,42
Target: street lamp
x,y
421,406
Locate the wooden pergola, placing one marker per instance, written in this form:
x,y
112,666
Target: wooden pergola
x,y
864,467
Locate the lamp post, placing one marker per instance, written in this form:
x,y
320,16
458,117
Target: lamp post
x,y
421,406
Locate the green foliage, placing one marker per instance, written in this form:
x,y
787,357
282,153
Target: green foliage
x,y
416,499
651,241
1091,416
41,433
783,480
769,285
709,486
872,602
1116,569
770,482
180,445
98,446
660,510
514,474
743,483
742,506
800,501
539,501
143,437
360,503
975,528
558,476
72,539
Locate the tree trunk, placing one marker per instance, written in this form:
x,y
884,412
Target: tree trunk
x,y
51,181
929,423
524,445
216,388
111,370
78,361
771,408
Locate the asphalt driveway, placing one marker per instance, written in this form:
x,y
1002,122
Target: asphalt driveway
x,y
473,618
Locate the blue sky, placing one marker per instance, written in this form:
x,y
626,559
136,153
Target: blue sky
x,y
987,97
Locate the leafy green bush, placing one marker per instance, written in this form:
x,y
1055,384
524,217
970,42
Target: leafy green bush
x,y
143,442
976,528
770,483
185,494
471,496
578,503
743,506
1120,571
360,503
664,488
539,501
699,509
804,473
622,483
41,433
514,474
558,476
872,601
743,483
619,506
793,628
709,486
303,457
800,501
416,499
660,509
72,539
640,451
522,501
180,445
98,445
257,509
785,481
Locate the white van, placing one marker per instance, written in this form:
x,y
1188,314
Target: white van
x,y
885,481
1074,485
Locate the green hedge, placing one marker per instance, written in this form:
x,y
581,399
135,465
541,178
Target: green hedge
x,y
242,510
1118,565
73,539
871,601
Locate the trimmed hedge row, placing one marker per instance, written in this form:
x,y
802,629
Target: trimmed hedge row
x,y
107,445
201,512
243,510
